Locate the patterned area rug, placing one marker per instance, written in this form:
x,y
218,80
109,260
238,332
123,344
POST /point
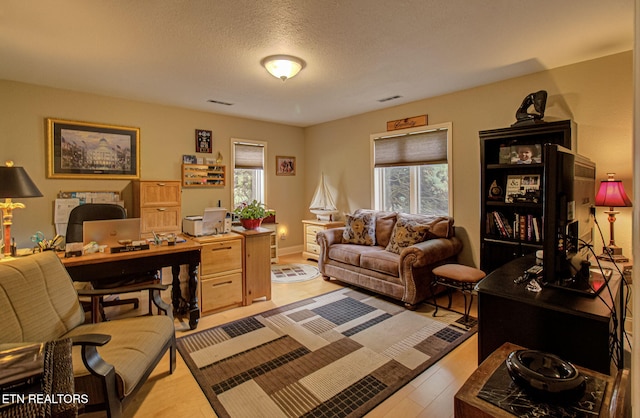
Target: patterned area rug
x,y
335,355
291,273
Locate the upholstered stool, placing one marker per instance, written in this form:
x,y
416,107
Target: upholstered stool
x,y
459,277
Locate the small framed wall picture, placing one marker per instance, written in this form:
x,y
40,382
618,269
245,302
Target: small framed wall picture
x,y
285,166
203,140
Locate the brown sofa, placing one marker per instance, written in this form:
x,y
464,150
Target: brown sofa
x,y
389,253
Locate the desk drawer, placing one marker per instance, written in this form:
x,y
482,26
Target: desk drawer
x,y
221,292
219,257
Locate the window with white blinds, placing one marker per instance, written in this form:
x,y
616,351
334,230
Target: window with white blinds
x,y
248,171
412,170
249,156
426,147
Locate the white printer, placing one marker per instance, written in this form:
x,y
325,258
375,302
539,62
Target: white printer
x,y
214,221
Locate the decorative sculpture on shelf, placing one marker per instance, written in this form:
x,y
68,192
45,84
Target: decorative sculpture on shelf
x,y
539,102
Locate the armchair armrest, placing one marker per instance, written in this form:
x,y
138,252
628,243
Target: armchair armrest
x,y
90,356
95,340
123,289
429,252
153,288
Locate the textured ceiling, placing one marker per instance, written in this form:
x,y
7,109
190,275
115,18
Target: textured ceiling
x,y
186,52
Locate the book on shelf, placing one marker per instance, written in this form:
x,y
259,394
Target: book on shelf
x,y
523,227
522,189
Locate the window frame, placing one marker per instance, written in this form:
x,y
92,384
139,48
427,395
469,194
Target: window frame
x,y
263,144
376,179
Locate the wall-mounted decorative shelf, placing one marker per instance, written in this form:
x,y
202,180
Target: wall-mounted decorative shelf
x,y
203,175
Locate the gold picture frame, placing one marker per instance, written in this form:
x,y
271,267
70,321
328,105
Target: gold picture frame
x,y
285,166
87,150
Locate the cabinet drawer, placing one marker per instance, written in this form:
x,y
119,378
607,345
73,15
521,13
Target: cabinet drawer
x,y
313,248
159,193
160,219
221,292
313,230
219,257
311,239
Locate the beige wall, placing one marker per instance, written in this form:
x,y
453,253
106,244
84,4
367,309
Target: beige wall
x,y
166,133
597,95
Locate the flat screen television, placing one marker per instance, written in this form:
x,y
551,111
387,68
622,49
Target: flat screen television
x,y
569,184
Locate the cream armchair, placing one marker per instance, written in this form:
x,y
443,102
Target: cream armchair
x,y
111,360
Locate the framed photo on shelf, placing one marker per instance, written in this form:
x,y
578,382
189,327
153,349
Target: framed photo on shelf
x,y
523,189
526,154
86,150
203,140
285,166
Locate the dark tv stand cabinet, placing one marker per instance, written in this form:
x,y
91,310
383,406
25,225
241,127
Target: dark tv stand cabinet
x,y
574,327
496,147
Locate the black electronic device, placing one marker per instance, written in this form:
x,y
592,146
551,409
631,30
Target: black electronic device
x,y
545,375
569,196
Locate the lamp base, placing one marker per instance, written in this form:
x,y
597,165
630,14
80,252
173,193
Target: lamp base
x,y
613,253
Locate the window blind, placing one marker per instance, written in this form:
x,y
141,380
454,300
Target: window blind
x,y
428,147
249,156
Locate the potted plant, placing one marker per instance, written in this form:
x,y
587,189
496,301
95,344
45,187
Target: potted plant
x,y
251,214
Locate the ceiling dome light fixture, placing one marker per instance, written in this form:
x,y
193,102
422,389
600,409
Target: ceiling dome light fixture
x,y
283,66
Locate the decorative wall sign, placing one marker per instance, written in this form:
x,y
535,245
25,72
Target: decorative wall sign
x,y
203,140
285,166
92,150
407,123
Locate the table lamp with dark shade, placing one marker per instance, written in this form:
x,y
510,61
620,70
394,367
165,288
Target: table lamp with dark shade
x,y
612,195
14,183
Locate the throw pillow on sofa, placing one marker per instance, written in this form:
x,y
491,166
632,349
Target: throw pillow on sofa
x,y
360,228
406,232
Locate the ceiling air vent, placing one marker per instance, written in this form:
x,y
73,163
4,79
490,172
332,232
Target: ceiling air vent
x,y
220,102
389,98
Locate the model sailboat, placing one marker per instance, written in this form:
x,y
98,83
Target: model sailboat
x,y
322,204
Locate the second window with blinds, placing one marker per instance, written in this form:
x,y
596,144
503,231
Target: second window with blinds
x,y
248,171
412,170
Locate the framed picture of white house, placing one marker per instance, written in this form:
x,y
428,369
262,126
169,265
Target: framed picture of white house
x,y
85,150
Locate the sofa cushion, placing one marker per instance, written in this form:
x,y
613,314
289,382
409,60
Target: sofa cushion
x,y
385,222
37,300
406,232
383,261
349,253
360,228
135,343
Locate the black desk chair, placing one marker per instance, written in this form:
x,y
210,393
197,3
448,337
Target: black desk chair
x,y
98,212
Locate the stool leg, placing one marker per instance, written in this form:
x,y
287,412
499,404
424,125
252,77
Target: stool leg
x,y
433,294
450,295
467,309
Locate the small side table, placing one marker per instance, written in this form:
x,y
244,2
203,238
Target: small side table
x,y
311,249
467,404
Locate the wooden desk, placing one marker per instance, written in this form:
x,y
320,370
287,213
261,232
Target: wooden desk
x,y
576,328
105,266
467,404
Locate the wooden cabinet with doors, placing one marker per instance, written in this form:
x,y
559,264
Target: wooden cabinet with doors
x,y
257,263
158,205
